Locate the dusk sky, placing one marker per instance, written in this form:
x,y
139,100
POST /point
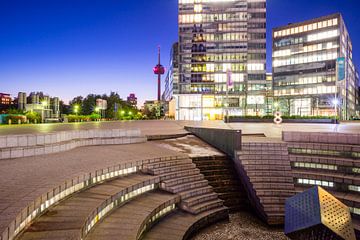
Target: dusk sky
x,y
68,48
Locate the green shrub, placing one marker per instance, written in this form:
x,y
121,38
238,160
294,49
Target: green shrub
x,y
33,117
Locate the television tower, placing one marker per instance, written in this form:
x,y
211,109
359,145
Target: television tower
x,y
159,70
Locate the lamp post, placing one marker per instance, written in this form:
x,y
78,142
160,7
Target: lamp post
x,y
336,103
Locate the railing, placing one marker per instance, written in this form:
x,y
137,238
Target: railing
x,y
53,196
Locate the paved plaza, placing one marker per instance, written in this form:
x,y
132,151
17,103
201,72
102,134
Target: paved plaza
x,y
169,127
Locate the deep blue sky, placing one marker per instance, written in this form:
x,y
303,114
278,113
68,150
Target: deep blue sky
x,y
68,48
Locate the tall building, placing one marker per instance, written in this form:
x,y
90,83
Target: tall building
x,y
132,100
22,100
172,77
313,70
222,58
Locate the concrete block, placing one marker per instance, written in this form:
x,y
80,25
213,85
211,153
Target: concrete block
x,y
31,140
48,149
39,151
12,141
122,133
47,139
5,154
17,152
3,142
28,152
56,148
22,141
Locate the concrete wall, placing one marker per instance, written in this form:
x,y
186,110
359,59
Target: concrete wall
x,y
15,146
226,140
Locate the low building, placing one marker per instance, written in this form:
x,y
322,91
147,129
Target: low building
x,y
46,106
6,102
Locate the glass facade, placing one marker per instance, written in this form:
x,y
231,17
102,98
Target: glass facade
x,y
306,68
222,59
172,77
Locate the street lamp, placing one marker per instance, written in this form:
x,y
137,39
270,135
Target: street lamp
x,y
76,109
335,101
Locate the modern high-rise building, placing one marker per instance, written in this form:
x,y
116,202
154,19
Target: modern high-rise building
x,y
313,70
172,77
222,58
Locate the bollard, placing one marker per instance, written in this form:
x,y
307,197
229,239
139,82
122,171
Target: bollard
x,y
9,121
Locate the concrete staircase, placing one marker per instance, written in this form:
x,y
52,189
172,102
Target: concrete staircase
x,y
183,178
221,175
265,169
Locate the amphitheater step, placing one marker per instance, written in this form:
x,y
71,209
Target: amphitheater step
x,y
65,220
195,192
186,186
181,180
205,206
127,221
179,174
167,163
181,225
189,202
169,169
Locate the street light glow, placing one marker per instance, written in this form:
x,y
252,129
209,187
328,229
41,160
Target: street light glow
x,y
335,102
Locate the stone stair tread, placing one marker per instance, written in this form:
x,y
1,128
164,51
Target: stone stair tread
x,y
182,185
167,163
170,182
172,168
184,193
196,198
199,207
183,173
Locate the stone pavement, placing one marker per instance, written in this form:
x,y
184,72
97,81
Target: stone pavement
x,y
24,179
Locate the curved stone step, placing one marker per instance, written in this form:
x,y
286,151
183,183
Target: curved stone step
x,y
178,174
181,225
65,220
128,221
205,206
195,192
170,169
168,163
199,199
187,186
182,180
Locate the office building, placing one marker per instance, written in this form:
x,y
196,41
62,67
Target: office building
x,y
313,70
222,58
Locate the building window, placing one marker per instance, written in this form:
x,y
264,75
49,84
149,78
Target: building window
x,y
355,210
354,188
315,166
315,182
